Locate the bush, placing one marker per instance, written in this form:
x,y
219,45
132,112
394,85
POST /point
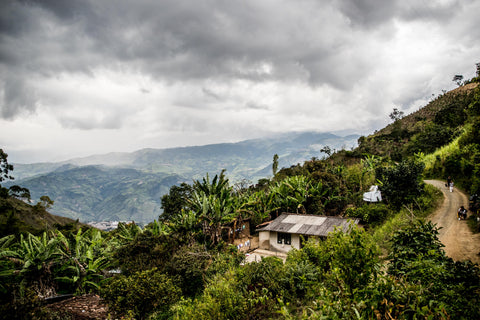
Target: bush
x,y
188,265
417,257
432,137
145,252
351,258
141,293
369,213
401,183
221,299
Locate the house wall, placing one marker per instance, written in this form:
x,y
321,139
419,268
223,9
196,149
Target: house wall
x,y
264,240
274,246
296,241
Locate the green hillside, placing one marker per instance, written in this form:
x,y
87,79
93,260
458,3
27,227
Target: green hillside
x,y
96,193
17,217
129,186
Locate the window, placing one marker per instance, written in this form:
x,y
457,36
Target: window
x,y
285,238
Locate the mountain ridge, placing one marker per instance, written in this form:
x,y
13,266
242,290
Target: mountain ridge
x,y
99,187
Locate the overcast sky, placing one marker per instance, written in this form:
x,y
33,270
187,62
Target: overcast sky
x,y
82,77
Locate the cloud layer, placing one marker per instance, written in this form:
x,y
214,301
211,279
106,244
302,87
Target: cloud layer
x,y
152,73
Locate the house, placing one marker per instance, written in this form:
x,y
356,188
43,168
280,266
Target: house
x,y
285,232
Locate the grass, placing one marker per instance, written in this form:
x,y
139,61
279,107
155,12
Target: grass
x,y
430,159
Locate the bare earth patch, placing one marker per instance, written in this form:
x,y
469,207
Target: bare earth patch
x,y
86,307
460,243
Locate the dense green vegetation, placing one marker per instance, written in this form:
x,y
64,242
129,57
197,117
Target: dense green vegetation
x,y
182,266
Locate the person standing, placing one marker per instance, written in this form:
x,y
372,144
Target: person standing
x,y
450,183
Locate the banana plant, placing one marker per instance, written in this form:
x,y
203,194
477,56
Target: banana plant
x,y
128,232
32,258
6,267
85,257
214,205
291,193
185,222
158,228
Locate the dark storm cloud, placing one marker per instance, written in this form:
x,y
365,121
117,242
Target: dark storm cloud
x,y
63,9
313,42
18,97
368,13
170,40
374,13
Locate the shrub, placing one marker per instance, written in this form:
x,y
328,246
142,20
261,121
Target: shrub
x,y
141,293
417,257
351,258
401,183
221,299
188,265
369,213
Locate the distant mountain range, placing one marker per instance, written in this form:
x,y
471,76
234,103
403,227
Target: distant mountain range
x,y
129,186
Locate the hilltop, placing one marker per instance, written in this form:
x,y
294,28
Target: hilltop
x,y
431,127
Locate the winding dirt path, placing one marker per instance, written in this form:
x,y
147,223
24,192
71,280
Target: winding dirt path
x,y
460,243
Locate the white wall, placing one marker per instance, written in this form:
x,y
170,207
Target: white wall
x,y
264,240
274,246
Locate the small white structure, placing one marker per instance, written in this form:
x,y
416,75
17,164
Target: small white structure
x,y
373,195
286,231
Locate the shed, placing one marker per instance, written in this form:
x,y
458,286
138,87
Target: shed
x,y
285,232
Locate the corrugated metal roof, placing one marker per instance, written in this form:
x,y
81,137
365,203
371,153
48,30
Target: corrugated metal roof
x,y
309,225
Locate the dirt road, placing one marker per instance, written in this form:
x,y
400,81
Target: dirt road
x,y
460,243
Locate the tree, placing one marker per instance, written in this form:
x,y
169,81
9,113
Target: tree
x,y
214,204
177,199
401,183
275,164
327,150
396,114
458,79
5,167
45,202
417,255
19,192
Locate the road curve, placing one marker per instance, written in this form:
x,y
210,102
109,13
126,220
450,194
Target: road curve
x,y
460,243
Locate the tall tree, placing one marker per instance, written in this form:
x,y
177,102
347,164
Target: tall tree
x,y
275,164
5,167
401,183
458,79
396,114
214,204
176,200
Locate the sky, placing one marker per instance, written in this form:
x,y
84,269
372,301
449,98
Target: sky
x,y
83,77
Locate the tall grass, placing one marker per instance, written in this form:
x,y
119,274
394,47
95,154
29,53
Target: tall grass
x,y
430,160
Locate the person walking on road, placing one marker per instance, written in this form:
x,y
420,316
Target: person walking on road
x,y
450,183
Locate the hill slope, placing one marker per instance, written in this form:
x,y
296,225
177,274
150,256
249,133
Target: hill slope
x,y
17,216
129,186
